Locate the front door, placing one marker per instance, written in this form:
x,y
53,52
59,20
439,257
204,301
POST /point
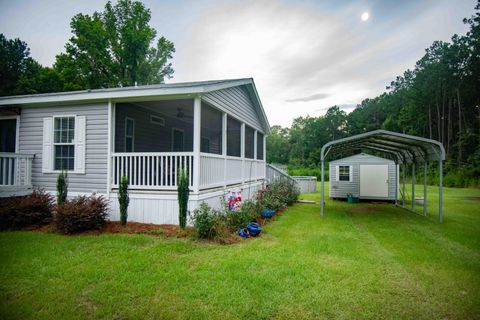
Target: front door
x,y
8,135
374,181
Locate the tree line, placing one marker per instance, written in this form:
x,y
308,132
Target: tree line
x,y
112,48
438,99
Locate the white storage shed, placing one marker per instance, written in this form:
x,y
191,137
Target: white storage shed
x,y
364,176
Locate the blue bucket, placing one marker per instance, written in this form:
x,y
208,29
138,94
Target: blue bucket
x,y
254,229
267,213
243,232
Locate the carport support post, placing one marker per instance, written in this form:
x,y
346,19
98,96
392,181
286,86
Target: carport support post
x,y
323,192
425,166
403,182
440,191
413,186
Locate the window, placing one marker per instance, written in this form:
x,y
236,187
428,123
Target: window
x,y
205,145
249,142
157,120
343,173
177,140
211,129
129,134
233,137
64,143
259,146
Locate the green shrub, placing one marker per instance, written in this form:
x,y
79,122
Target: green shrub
x,y
249,211
209,223
31,210
62,187
81,214
123,199
310,172
183,193
277,194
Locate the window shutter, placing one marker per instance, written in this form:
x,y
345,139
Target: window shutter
x,y
80,128
337,173
47,146
350,171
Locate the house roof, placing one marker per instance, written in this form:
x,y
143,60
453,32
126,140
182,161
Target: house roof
x,y
184,89
403,148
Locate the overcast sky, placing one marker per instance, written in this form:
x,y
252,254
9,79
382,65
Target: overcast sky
x,y
303,55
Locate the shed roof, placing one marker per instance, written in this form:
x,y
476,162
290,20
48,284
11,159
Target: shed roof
x,y
402,148
360,156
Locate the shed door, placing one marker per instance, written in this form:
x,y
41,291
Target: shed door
x,y
374,180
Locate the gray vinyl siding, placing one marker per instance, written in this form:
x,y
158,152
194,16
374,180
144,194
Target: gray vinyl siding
x,y
149,137
96,153
340,189
236,102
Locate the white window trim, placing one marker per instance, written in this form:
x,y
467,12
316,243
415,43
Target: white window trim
x,y
74,142
183,138
337,173
157,120
128,136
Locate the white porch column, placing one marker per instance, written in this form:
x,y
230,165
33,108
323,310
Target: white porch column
x,y
255,166
197,115
264,156
111,144
242,149
224,148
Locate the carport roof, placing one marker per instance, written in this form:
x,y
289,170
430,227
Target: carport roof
x,y
402,148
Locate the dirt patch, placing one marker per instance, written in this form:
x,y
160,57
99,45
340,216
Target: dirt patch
x,y
472,198
168,230
359,209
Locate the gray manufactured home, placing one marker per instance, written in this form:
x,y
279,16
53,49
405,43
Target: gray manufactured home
x,y
365,176
215,130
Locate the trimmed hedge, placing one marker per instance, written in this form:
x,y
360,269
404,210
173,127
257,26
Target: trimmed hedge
x,y
81,214
35,209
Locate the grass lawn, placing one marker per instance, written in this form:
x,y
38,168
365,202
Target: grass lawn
x,y
358,261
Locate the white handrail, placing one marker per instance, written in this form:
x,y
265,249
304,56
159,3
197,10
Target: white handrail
x,y
15,169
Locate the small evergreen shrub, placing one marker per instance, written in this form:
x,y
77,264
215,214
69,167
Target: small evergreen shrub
x,y
81,214
209,223
33,210
62,187
123,199
183,194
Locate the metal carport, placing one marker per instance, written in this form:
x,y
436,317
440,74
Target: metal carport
x,y
404,149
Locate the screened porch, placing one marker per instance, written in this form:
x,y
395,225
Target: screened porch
x,y
154,140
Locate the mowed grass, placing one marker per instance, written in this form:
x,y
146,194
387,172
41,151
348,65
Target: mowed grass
x,y
358,261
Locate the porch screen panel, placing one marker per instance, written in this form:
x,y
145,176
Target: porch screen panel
x,y
249,142
259,146
211,130
233,137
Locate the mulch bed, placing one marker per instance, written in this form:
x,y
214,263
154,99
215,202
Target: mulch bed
x,y
168,230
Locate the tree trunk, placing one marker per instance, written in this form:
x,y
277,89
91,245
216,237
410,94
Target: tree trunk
x,y
443,116
439,123
430,120
459,126
449,125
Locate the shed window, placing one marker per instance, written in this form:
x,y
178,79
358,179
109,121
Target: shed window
x,y
343,173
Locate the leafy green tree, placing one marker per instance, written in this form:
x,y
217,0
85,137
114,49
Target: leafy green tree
x,y
13,59
278,147
114,48
21,74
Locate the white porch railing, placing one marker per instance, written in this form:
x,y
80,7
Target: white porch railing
x,y
159,171
217,170
151,170
15,170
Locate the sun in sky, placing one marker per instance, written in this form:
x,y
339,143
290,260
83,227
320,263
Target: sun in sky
x,y
365,16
